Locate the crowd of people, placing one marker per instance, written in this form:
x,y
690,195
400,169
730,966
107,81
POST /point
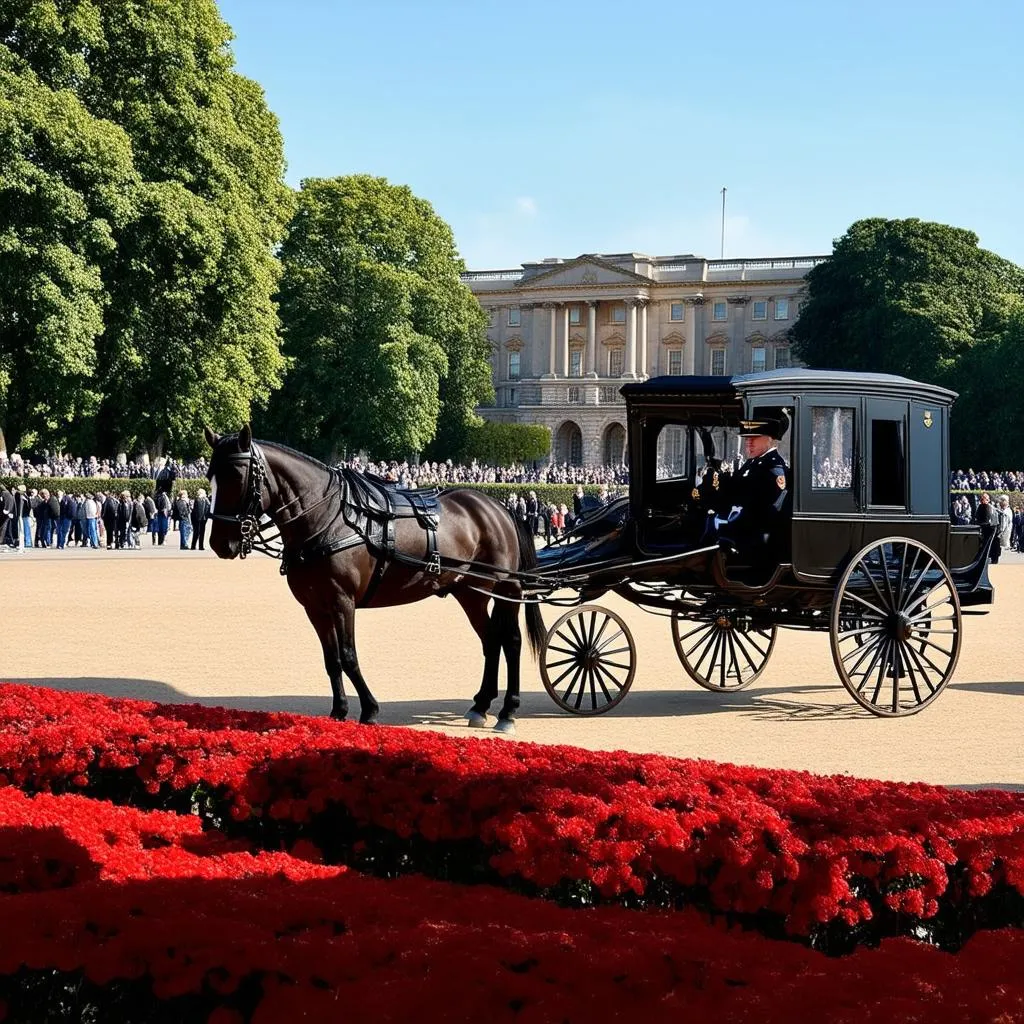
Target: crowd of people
x,y
405,474
100,519
555,520
986,480
997,516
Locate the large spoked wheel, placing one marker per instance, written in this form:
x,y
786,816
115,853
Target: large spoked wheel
x,y
895,629
726,653
589,660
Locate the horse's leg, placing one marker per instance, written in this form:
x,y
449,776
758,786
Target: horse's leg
x,y
328,635
512,644
369,709
474,604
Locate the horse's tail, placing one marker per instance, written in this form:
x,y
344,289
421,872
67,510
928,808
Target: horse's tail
x,y
528,560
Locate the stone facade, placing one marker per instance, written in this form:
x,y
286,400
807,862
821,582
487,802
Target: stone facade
x,y
566,334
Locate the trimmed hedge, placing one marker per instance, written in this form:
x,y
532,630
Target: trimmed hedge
x,y
92,484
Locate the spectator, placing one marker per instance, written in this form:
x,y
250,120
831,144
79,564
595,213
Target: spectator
x,y
182,513
199,516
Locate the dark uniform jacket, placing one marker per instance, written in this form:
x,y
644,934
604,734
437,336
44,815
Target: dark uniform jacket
x,y
200,511
759,489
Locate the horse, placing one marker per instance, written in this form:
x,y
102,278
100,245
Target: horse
x,y
339,553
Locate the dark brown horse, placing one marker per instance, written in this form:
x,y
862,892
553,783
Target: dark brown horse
x,y
333,567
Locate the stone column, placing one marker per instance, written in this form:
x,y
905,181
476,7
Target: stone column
x,y
591,357
565,340
552,341
629,370
694,310
644,369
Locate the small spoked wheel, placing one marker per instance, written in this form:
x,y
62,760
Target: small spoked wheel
x,y
589,660
896,627
724,653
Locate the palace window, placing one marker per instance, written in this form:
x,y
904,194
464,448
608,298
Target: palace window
x,y
513,398
717,362
513,316
675,361
782,309
574,396
575,363
617,314
758,362
615,362
574,315
720,311
513,366
760,309
782,359
676,312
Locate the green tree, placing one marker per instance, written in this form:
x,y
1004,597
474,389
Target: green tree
x,y
66,188
388,347
183,285
906,297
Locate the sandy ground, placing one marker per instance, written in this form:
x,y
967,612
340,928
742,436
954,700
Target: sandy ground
x,y
180,626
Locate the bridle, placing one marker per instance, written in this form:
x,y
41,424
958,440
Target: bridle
x,y
252,519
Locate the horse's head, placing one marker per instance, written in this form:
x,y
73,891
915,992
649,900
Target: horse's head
x,y
238,492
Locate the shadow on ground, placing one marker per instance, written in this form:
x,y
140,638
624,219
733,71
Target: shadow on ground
x,y
770,704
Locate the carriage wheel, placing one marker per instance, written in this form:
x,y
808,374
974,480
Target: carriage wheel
x,y
895,630
725,653
589,660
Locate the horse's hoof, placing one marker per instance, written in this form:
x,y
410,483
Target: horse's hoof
x,y
368,719
339,715
505,726
476,720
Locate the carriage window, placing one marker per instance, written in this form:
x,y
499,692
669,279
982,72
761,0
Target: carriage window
x,y
673,449
888,463
831,448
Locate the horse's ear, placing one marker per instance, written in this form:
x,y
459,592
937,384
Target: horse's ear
x,y
245,438
211,437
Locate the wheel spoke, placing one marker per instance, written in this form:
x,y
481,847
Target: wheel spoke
x,y
881,613
740,642
874,585
885,569
913,590
710,648
696,629
577,636
707,635
564,661
600,632
610,639
882,666
866,673
855,632
905,649
942,650
864,652
601,674
578,668
564,650
924,672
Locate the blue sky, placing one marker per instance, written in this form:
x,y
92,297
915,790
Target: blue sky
x,y
555,128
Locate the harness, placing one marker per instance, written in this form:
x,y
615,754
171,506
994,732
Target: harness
x,y
367,505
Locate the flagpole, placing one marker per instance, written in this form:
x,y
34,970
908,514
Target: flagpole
x,y
722,255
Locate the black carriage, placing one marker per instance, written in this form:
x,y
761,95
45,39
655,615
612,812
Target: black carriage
x,y
862,547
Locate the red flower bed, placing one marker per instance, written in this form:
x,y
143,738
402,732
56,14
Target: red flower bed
x,y
808,849
143,908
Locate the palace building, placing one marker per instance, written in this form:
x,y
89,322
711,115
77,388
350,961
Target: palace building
x,y
567,334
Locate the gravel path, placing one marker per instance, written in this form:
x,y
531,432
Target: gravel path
x,y
174,626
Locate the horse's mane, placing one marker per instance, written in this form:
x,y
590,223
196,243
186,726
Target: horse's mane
x,y
293,451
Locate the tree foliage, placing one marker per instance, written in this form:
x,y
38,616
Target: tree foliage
x,y
387,347
921,300
502,444
154,233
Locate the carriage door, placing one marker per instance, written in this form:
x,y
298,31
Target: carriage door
x,y
829,507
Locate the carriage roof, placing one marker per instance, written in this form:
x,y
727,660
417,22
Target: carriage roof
x,y
796,380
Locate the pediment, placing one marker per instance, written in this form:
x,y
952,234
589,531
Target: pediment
x,y
582,272
576,340
514,344
718,338
614,340
756,338
675,338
